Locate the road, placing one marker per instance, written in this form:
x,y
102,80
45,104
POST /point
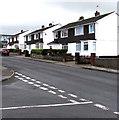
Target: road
x,y
46,90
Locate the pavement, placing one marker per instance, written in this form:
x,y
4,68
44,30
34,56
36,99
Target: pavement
x,y
8,73
72,64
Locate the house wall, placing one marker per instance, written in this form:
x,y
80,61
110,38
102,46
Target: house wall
x,y
48,36
106,35
72,48
21,40
56,46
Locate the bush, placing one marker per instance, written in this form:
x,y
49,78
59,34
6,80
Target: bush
x,y
48,51
15,50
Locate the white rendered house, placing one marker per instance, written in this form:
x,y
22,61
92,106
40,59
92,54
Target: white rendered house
x,y
39,39
93,35
17,41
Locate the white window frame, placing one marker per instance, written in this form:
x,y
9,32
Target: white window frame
x,y
77,45
65,47
93,28
64,31
41,35
94,46
81,31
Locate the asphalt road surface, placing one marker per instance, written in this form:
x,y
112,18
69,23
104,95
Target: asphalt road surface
x,y
47,90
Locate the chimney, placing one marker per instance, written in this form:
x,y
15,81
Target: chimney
x,y
50,24
43,26
22,31
97,13
81,18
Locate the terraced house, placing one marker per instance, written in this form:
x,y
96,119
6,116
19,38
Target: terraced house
x,y
97,34
17,41
39,38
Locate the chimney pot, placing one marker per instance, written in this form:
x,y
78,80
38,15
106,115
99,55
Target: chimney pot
x,y
43,26
97,13
81,18
50,24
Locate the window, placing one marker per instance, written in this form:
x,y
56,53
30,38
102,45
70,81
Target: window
x,y
36,36
29,46
56,35
85,45
94,46
29,37
41,35
65,46
78,46
91,28
64,33
37,45
79,30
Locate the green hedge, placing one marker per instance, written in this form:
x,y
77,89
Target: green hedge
x,y
13,50
48,51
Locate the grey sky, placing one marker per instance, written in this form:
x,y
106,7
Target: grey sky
x,y
32,14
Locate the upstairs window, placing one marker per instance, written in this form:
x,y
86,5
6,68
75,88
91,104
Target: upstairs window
x,y
85,45
36,36
91,28
64,33
56,35
41,35
79,30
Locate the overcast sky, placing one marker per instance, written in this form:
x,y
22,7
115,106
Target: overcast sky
x,y
32,14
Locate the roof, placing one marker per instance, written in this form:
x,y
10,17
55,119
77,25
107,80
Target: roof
x,y
42,29
85,21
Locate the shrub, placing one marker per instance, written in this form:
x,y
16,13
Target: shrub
x,y
15,50
48,51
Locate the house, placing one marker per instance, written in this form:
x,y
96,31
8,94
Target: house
x,y
4,39
17,41
97,34
38,39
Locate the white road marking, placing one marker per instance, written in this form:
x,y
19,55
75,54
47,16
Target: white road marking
x,y
16,72
72,95
16,76
20,78
44,106
82,99
25,80
46,85
52,87
36,85
53,92
43,88
33,80
31,83
101,106
38,82
23,75
73,101
19,73
62,96
62,91
28,78
117,113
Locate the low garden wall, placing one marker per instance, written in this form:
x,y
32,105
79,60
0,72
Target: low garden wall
x,y
52,54
112,63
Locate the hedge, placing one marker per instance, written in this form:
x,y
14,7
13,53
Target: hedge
x,y
48,51
13,50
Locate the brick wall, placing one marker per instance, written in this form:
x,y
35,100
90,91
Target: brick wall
x,y
112,63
